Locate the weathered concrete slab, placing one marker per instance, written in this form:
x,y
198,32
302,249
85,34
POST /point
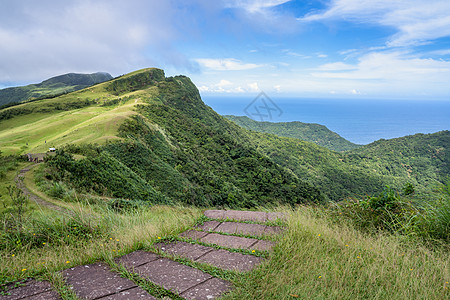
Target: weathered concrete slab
x,y
187,250
137,258
50,295
214,214
263,245
31,289
208,225
242,228
95,281
272,216
193,234
256,216
172,275
228,241
230,260
208,290
136,293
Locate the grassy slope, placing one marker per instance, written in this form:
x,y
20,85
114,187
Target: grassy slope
x,y
317,259
315,133
54,86
422,160
42,128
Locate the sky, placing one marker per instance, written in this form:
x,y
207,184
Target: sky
x,y
390,49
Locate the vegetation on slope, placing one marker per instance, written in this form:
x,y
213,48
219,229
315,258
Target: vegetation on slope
x,y
167,138
54,86
315,133
421,160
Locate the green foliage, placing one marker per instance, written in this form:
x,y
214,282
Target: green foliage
x,y
136,81
408,189
422,160
315,133
104,175
391,212
13,216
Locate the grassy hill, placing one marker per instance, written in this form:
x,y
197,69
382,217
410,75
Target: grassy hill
x,y
128,147
315,133
157,134
54,86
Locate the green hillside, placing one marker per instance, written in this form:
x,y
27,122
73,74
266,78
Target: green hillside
x,y
156,134
318,134
422,160
54,86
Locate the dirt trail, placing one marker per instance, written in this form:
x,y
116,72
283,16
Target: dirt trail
x,y
21,185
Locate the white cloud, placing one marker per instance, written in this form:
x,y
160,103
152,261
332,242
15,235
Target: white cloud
x,y
253,6
417,21
393,66
253,87
337,66
355,92
225,64
39,39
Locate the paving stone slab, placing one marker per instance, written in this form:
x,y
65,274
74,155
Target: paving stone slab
x,y
183,249
28,289
136,293
208,290
228,241
214,214
242,228
50,295
137,258
193,234
230,260
263,245
172,275
256,216
209,225
95,281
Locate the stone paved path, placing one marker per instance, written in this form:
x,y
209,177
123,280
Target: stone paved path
x,y
98,281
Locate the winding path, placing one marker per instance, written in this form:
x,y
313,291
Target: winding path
x,y
21,185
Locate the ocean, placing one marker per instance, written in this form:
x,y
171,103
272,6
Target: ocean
x,y
360,121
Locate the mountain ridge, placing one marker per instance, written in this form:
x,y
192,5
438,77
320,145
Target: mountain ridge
x,y
157,134
311,132
65,83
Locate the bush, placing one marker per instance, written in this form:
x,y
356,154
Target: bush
x,y
386,211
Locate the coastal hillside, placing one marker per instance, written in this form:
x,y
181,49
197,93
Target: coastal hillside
x,y
156,134
315,133
54,86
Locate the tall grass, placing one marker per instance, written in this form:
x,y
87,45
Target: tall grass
x,y
318,259
49,242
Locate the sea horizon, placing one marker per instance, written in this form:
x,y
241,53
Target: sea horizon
x,y
361,121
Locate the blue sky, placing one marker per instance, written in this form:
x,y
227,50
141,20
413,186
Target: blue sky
x,y
327,48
